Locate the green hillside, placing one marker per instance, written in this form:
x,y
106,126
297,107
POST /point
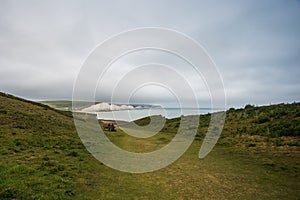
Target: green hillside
x,y
67,105
42,157
60,105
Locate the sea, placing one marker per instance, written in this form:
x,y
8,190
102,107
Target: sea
x,y
169,113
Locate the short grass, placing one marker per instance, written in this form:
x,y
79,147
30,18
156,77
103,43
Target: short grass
x,y
41,157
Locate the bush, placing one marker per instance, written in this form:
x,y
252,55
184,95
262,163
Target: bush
x,y
285,128
248,106
262,119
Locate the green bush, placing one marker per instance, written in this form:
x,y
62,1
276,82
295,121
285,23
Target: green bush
x,y
262,119
248,106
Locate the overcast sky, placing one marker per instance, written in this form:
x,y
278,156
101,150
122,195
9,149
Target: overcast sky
x,y
255,44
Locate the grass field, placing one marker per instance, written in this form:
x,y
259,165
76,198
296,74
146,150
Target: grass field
x,y
42,157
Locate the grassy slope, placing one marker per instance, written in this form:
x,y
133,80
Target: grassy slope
x,y
66,105
41,157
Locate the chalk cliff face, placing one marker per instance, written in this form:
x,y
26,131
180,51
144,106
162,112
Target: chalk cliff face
x,y
107,107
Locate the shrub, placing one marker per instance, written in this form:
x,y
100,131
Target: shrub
x,y
248,106
262,119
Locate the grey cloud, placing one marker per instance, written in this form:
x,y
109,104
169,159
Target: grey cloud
x,y
255,44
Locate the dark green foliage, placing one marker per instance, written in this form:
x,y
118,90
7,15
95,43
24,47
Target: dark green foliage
x,y
69,192
262,119
231,109
4,112
248,106
288,128
73,153
272,121
8,194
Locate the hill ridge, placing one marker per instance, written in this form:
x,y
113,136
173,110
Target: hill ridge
x,y
66,113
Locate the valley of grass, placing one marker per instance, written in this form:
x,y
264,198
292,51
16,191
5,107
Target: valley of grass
x,y
42,157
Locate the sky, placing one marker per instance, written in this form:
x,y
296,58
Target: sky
x,y
255,45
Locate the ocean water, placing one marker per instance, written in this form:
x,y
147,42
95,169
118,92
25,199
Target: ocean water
x,y
131,115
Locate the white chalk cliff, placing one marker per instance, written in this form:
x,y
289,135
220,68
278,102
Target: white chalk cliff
x,y
107,107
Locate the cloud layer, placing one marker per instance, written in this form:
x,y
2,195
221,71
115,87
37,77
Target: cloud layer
x,y
255,44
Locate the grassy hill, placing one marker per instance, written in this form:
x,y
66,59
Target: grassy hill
x,y
42,157
67,105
